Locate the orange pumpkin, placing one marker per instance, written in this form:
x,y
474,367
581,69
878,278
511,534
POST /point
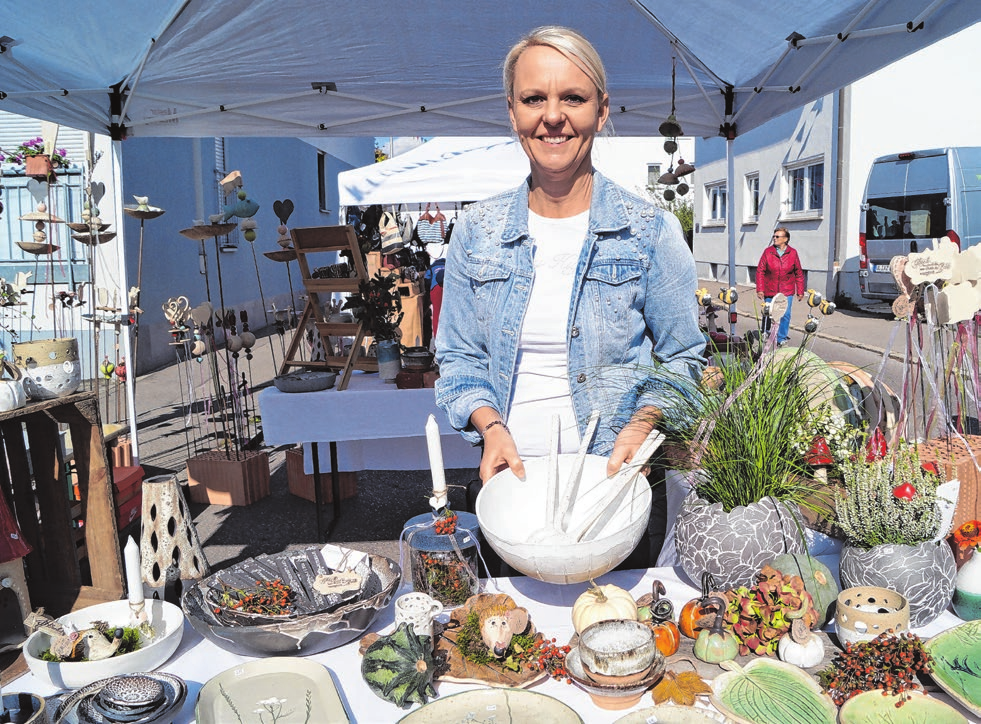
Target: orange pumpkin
x,y
696,608
667,637
659,615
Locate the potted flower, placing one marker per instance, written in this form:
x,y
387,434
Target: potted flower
x,y
748,468
889,510
378,306
36,162
967,588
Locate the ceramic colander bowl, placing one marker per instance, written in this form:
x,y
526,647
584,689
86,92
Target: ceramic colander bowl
x,y
511,511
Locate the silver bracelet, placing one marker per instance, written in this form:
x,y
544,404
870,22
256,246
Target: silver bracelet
x,y
491,424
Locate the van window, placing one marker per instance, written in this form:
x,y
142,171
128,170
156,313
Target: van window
x,y
910,217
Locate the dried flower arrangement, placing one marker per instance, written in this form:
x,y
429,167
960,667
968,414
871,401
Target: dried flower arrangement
x,y
889,500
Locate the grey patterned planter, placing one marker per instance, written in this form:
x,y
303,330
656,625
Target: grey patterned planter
x,y
734,546
924,574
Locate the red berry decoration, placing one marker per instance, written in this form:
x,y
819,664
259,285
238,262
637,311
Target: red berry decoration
x,y
446,523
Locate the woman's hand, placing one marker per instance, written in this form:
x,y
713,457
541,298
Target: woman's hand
x,y
631,437
500,454
500,451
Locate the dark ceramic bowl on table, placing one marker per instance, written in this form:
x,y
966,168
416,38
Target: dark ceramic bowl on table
x,y
417,359
304,633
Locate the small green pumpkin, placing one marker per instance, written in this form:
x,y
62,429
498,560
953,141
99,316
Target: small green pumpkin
x,y
818,581
399,668
716,645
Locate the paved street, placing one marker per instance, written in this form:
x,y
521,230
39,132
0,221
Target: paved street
x,y
373,519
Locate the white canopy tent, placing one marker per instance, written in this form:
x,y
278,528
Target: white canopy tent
x,y
454,168
299,68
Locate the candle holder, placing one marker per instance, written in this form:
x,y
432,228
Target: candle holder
x,y
444,565
864,612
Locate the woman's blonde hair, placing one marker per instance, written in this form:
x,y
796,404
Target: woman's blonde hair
x,y
568,42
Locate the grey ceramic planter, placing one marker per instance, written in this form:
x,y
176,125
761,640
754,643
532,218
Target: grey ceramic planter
x,y
924,574
734,546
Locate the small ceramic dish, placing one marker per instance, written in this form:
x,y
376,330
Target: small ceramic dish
x,y
88,706
305,381
617,648
612,697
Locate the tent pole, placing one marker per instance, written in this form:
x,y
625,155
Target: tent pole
x,y
117,185
731,227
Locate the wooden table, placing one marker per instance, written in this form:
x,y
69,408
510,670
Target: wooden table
x,y
34,477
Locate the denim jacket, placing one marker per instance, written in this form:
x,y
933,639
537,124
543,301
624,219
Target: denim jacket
x,y
632,325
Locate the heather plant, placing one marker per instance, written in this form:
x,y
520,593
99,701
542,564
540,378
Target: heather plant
x,y
888,500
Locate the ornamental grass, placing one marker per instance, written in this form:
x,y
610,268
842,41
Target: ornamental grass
x,y
752,431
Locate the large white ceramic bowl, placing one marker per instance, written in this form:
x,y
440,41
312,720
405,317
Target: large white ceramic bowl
x,y
510,511
166,619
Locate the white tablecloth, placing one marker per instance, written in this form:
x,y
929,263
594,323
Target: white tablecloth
x,y
367,412
549,605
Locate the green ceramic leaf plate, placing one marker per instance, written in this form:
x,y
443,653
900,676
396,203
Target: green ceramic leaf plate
x,y
767,691
957,663
872,706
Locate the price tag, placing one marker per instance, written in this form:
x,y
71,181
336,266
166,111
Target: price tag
x,y
337,582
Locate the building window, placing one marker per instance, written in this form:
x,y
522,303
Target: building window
x,y
805,188
715,203
653,174
322,180
752,198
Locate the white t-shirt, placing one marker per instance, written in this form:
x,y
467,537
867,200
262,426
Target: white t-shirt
x,y
541,385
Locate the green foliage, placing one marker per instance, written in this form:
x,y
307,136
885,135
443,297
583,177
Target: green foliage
x,y
378,304
761,419
869,513
681,206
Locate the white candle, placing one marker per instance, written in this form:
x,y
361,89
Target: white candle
x,y
436,464
134,579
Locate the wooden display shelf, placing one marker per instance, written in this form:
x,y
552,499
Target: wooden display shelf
x,y
319,240
33,476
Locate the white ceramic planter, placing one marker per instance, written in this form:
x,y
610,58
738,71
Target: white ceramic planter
x,y
51,367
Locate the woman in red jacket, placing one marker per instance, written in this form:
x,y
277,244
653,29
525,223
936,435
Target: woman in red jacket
x,y
779,270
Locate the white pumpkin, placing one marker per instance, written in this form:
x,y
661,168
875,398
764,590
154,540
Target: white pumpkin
x,y
603,603
800,646
12,393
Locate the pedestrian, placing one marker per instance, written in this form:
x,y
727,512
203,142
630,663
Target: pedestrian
x,y
779,271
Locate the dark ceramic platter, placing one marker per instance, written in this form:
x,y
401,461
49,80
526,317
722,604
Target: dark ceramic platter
x,y
312,630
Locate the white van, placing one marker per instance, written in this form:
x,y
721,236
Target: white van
x,y
910,199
